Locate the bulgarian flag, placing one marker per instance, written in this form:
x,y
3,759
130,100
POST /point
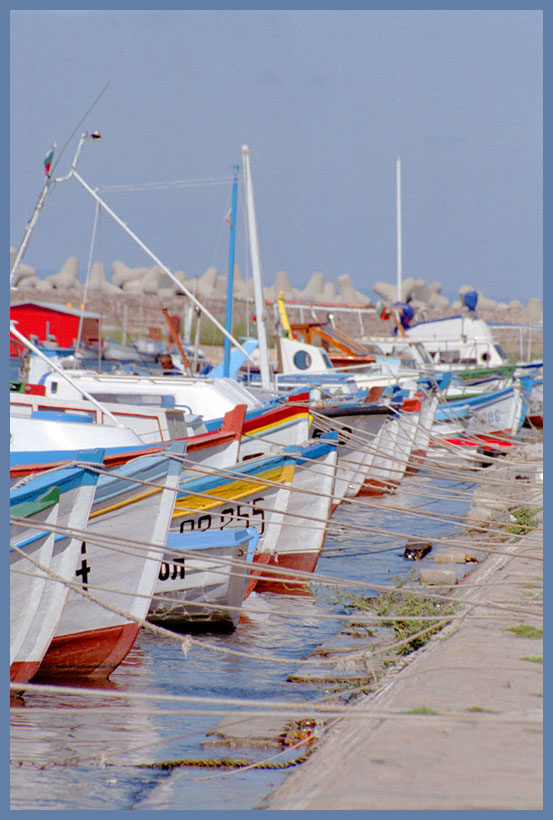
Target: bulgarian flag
x,y
48,160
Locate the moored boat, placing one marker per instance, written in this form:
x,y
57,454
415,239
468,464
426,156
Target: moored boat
x,y
393,448
358,425
296,544
202,579
270,494
93,636
498,413
42,562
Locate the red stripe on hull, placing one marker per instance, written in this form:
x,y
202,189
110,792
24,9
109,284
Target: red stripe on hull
x,y
302,561
478,440
94,653
23,671
415,462
373,486
280,414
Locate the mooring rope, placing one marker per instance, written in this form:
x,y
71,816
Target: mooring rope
x,y
267,482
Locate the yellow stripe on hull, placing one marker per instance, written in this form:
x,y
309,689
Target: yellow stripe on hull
x,y
234,491
120,504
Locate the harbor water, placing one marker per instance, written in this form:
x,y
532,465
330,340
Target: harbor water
x,y
88,750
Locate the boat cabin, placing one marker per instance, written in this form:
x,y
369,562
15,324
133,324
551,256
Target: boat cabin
x,y
458,340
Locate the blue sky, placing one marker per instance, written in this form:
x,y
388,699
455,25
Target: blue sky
x,y
326,100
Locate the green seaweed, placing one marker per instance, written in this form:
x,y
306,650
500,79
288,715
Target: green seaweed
x,y
526,631
420,710
399,606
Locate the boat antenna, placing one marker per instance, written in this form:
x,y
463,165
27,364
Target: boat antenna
x,y
78,126
398,215
49,182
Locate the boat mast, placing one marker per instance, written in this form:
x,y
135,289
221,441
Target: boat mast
x,y
230,279
256,272
398,216
30,228
49,182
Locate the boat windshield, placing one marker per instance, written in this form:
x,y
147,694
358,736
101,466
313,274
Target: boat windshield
x,y
413,353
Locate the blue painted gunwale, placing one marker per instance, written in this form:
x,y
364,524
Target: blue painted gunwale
x,y
481,401
446,413
65,478
143,468
213,538
496,395
25,457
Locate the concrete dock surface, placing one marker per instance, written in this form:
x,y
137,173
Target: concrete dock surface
x,y
460,726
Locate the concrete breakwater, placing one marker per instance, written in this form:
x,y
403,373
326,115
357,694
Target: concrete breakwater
x,y
459,724
212,285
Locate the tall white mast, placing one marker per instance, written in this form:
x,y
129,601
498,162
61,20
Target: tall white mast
x,y
256,272
398,213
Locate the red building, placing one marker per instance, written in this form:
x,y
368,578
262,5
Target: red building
x,y
43,322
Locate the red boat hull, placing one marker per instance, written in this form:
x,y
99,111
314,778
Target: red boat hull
x,y
285,584
94,653
259,560
415,462
373,486
23,671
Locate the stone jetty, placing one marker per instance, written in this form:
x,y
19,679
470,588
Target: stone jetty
x,y
459,726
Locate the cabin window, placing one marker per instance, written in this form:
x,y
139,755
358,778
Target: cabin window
x,y
302,359
450,356
87,415
136,398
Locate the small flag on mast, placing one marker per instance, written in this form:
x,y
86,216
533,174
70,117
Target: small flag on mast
x,y
228,218
48,160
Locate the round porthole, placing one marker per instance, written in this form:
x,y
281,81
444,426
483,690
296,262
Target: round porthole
x,y
302,359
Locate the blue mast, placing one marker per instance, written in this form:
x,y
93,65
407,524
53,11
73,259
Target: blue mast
x,y
230,280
